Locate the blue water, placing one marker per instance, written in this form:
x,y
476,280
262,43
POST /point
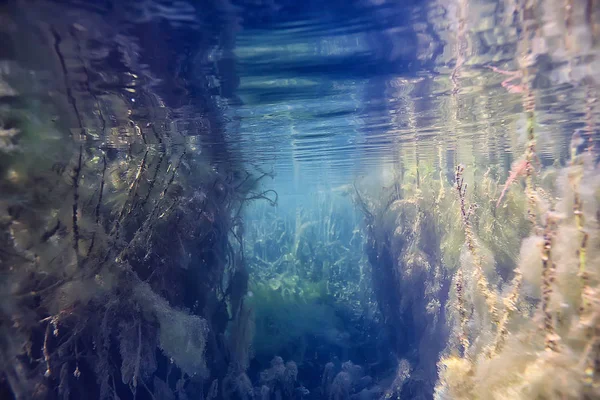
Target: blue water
x,y
248,199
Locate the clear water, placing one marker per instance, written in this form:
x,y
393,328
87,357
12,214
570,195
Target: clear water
x,y
258,199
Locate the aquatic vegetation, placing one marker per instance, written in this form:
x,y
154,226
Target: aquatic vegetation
x,y
348,380
145,253
447,255
514,290
518,170
122,272
304,269
409,277
538,348
279,380
310,296
99,277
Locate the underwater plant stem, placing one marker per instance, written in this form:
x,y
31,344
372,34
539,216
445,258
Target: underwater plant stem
x,y
102,183
547,278
510,306
98,205
529,108
173,174
482,283
135,184
46,352
586,308
153,180
462,312
530,155
580,225
77,173
130,194
586,305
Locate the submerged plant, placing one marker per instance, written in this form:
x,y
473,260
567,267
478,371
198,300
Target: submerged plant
x,y
544,348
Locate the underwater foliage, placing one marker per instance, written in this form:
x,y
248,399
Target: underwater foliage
x,y
94,290
122,273
512,291
310,294
306,279
143,256
538,337
409,278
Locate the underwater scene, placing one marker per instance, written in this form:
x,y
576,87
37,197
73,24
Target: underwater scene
x,y
282,199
